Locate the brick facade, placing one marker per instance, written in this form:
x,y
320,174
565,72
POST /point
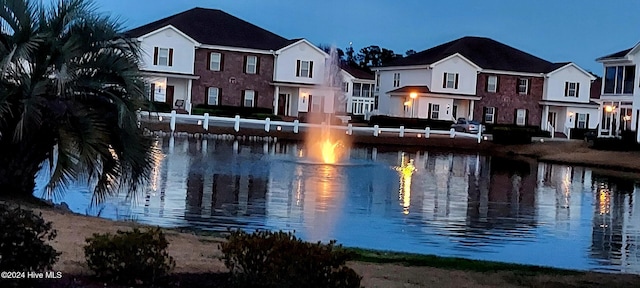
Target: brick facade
x,y
506,100
233,67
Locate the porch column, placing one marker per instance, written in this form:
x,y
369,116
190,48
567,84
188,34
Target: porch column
x,y
276,93
545,118
187,105
471,107
600,115
617,117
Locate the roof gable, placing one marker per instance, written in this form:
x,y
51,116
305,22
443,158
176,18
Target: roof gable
x,y
215,27
456,55
302,41
484,52
563,66
169,27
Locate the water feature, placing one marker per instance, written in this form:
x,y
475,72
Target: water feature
x,y
448,204
325,145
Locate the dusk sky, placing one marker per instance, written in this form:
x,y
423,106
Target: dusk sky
x,y
558,31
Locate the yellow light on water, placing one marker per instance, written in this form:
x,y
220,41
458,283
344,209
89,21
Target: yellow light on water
x,y
329,153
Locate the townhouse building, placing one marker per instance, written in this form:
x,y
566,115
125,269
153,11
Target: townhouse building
x,y
482,79
358,90
208,57
619,96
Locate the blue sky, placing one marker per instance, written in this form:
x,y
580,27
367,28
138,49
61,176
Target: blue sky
x,y
556,30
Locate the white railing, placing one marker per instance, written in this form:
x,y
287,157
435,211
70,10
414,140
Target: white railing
x,y
551,129
567,131
207,121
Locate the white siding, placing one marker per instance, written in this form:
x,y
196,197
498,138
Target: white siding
x,y
408,77
444,111
554,90
183,51
466,80
286,64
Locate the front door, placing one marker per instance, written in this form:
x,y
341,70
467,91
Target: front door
x,y
283,104
170,95
553,119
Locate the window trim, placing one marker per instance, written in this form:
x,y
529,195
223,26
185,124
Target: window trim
x,y
526,86
299,68
248,64
436,111
495,84
578,115
219,62
524,119
245,93
157,51
568,90
453,81
493,115
209,89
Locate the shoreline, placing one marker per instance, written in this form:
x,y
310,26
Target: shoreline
x,y
197,256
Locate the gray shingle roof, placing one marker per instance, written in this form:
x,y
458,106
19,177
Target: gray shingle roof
x,y
215,27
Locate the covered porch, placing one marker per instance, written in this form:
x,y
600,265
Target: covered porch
x,y
617,116
563,117
420,102
295,100
171,88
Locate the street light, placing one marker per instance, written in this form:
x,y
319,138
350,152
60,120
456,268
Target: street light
x,y
413,96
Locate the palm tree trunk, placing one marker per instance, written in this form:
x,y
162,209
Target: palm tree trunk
x,y
20,165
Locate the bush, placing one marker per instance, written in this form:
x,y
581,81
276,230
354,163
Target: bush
x,y
509,134
229,111
154,106
23,239
615,144
128,257
414,123
279,259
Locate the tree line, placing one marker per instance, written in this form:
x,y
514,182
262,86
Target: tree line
x,y
367,57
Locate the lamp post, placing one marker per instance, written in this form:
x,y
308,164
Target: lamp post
x,y
413,96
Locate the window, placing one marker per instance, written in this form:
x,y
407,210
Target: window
x,y
571,89
357,89
581,120
248,100
251,66
215,61
345,87
316,103
396,79
523,86
450,81
489,115
492,84
366,90
434,112
304,69
212,95
163,56
521,117
619,79
377,81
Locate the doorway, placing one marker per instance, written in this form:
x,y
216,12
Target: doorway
x,y
170,90
283,104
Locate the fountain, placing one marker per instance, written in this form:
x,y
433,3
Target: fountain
x,y
323,144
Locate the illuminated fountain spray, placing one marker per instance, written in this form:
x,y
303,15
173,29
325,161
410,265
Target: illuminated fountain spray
x,y
323,144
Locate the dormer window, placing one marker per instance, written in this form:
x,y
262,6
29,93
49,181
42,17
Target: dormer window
x,y
450,81
162,56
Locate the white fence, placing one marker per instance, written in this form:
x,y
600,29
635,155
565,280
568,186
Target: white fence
x,y
295,127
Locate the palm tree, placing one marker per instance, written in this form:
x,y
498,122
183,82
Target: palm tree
x,y
69,92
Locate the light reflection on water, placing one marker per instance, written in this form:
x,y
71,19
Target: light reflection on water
x,y
424,202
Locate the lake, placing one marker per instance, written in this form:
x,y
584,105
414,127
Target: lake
x,y
420,201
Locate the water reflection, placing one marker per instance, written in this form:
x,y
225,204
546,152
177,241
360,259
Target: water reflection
x,y
426,202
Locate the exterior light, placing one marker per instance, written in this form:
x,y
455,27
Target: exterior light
x,y
626,118
413,95
199,122
419,135
407,103
570,114
609,108
160,118
279,128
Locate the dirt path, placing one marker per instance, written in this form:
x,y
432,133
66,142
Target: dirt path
x,y
200,254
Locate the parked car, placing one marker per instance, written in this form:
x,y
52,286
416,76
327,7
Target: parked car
x,y
469,126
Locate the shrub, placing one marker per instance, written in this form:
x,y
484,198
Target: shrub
x,y
229,111
416,123
23,239
128,257
615,144
279,259
511,134
154,106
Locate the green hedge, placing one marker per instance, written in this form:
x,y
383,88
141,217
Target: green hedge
x,y
414,123
154,106
511,134
229,111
